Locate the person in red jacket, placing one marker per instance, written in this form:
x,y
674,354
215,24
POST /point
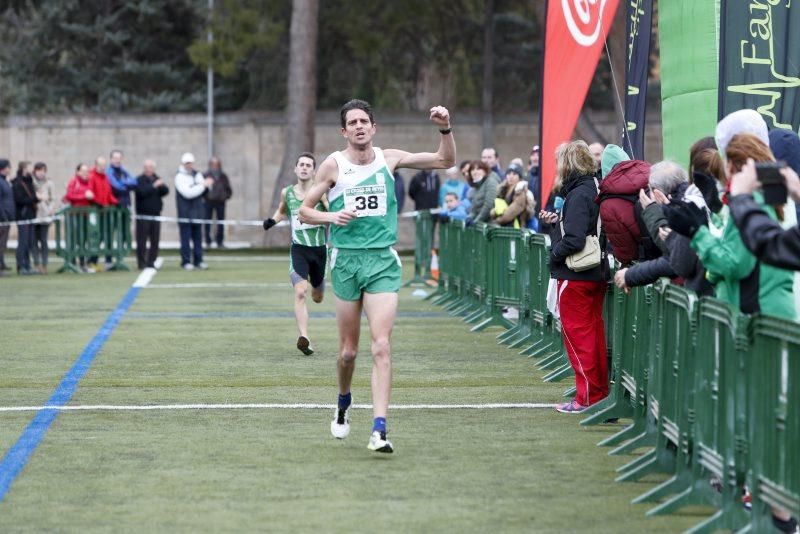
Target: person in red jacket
x,y
623,178
78,191
80,194
103,197
101,187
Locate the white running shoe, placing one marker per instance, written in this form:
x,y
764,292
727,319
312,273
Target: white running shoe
x,y
379,443
340,426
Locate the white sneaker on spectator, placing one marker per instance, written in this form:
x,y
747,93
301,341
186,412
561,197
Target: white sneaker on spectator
x,y
188,267
203,266
511,313
108,265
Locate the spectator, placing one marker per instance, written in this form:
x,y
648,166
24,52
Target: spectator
x,y
580,294
738,276
424,190
485,185
218,194
466,200
518,201
763,235
122,182
452,185
399,191
80,194
597,153
25,201
103,198
149,190
46,208
534,178
7,212
620,209
785,144
190,186
707,172
491,158
740,122
668,181
79,191
453,208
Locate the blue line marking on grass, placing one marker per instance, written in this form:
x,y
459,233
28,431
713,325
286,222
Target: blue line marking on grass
x,y
18,455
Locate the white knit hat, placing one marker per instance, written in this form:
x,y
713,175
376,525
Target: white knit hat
x,y
187,157
744,121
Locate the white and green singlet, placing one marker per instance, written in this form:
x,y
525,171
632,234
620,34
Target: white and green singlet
x,y
369,191
308,235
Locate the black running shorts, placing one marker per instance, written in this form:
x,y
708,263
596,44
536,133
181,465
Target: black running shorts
x,y
308,263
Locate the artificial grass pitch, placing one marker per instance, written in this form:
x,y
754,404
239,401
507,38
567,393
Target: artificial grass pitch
x,y
468,470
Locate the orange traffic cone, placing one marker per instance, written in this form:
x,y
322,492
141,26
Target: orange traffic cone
x,y
434,264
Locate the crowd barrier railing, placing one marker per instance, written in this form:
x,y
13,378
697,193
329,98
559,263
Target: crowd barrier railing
x,y
86,232
714,395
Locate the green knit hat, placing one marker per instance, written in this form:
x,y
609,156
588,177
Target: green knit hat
x,y
612,154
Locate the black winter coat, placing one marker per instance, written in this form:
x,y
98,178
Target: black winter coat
x,y
763,236
25,197
8,210
148,198
579,216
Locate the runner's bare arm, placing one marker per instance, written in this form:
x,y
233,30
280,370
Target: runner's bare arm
x,y
280,213
325,180
443,158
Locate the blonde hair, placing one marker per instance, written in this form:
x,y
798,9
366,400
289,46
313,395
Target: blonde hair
x,y
573,160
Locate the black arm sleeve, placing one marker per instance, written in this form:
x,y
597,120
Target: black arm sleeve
x,y
765,237
648,272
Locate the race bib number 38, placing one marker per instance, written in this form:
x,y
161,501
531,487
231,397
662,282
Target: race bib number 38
x,y
366,201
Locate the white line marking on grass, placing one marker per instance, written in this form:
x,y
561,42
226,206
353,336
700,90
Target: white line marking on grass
x,y
144,278
211,285
271,406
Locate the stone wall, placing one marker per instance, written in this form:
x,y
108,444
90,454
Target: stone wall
x,y
250,145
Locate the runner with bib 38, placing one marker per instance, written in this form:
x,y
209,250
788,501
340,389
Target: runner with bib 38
x,y
365,269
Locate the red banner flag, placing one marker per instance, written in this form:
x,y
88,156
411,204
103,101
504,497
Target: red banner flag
x,y
575,35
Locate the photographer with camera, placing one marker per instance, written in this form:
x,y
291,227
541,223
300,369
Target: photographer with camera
x,y
761,234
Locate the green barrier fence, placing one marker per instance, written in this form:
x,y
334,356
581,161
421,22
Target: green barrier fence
x,y
710,393
423,248
86,232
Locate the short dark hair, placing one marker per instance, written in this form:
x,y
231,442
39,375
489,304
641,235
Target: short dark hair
x,y
308,155
463,163
4,164
39,166
356,104
496,153
451,194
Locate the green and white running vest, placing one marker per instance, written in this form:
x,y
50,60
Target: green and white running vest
x,y
369,191
309,235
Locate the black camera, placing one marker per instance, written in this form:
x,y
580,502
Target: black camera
x,y
773,184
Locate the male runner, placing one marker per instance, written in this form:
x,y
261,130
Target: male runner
x,y
365,269
308,252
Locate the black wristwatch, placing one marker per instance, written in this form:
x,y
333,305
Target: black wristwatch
x,y
445,131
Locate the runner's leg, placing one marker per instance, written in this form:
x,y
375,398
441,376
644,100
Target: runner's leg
x,y
381,310
300,310
348,318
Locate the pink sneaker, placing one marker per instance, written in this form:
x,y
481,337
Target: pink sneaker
x,y
571,407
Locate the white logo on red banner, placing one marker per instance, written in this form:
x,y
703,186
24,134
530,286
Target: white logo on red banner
x,y
584,19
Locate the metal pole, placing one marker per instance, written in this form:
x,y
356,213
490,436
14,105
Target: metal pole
x,y
210,85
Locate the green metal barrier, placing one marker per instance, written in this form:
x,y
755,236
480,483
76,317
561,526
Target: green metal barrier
x,y
423,246
675,394
84,232
774,420
714,398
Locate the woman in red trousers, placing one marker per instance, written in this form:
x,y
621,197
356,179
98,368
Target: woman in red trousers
x,y
581,293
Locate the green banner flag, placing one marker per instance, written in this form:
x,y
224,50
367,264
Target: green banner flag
x,y
689,73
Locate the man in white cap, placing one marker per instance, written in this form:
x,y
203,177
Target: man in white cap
x,y
190,186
